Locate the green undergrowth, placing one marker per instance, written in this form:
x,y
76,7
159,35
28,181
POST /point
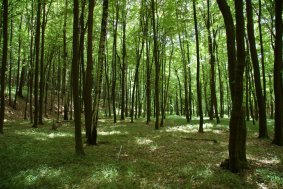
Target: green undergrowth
x,y
134,155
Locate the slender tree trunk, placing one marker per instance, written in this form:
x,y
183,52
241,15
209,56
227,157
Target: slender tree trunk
x,y
219,67
185,73
167,86
22,81
135,85
148,72
10,63
41,94
123,69
114,63
81,53
4,62
278,90
211,46
36,73
198,73
75,80
247,86
189,82
262,52
58,86
89,75
260,98
271,97
64,83
101,56
156,62
31,60
19,65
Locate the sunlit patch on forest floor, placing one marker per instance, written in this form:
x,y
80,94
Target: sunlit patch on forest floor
x,y
134,155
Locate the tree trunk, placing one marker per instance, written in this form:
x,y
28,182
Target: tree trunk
x,y
260,98
4,62
156,63
211,45
100,64
198,72
64,83
185,73
10,63
114,63
19,64
237,137
123,69
75,81
278,90
148,72
136,76
89,75
42,80
262,52
36,73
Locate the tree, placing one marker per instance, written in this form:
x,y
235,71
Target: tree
x,y
75,80
89,75
114,62
4,62
260,98
148,67
156,63
36,72
99,75
213,102
237,132
198,72
123,67
64,82
278,83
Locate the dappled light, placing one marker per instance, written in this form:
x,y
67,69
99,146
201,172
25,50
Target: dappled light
x,y
143,141
106,174
192,128
42,135
103,133
134,156
141,94
36,177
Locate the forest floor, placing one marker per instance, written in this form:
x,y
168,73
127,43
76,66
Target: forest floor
x,y
134,155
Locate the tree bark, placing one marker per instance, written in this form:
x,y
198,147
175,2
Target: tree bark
x,y
64,82
156,63
213,99
260,98
89,75
42,80
4,62
100,64
123,69
237,137
19,65
262,52
148,71
198,72
114,63
278,90
36,73
75,81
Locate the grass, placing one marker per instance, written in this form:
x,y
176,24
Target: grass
x,y
134,155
